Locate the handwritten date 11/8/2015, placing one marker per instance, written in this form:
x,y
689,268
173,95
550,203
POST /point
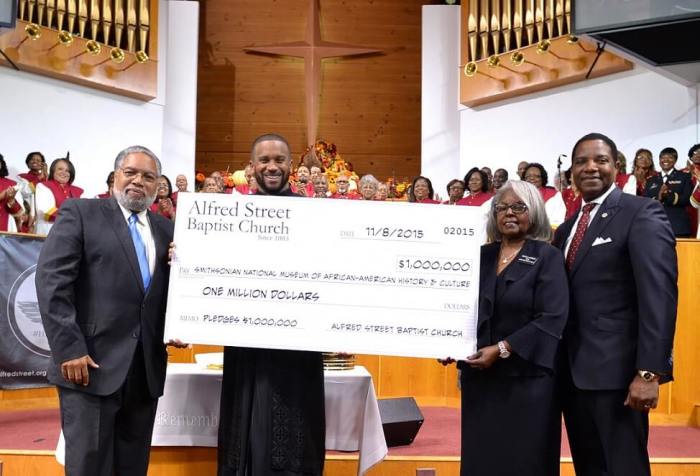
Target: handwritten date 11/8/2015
x,y
388,232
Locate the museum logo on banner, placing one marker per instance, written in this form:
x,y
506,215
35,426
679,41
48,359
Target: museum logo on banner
x,y
24,348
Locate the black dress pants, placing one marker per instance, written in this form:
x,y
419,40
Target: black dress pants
x,y
606,437
109,435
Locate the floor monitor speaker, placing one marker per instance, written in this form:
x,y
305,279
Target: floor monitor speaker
x,y
401,420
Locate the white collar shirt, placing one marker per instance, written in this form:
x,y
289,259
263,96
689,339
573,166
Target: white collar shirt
x,y
598,201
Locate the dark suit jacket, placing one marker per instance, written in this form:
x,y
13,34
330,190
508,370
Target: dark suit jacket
x,y
92,299
675,203
623,294
529,310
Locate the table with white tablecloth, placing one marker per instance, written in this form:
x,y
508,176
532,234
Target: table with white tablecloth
x,y
188,411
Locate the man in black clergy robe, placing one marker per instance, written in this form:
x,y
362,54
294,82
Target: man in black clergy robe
x,y
272,401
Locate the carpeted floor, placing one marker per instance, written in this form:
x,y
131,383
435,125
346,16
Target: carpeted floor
x,y
439,435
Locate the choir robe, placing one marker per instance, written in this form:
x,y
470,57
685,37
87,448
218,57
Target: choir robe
x,y
273,418
308,190
572,201
641,186
245,189
32,178
345,196
156,209
7,212
627,183
476,200
28,182
50,195
553,205
427,200
695,203
481,199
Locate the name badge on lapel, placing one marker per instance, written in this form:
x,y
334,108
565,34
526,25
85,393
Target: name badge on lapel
x,y
531,260
673,182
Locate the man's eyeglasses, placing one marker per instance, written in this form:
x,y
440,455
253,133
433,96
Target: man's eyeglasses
x,y
131,174
516,208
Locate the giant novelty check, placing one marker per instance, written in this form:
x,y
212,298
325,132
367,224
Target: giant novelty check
x,y
326,275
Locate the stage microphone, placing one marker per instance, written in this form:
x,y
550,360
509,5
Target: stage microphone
x,y
559,162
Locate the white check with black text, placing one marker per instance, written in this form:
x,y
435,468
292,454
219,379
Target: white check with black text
x,y
327,275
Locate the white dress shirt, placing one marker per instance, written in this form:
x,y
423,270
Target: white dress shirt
x,y
598,201
666,175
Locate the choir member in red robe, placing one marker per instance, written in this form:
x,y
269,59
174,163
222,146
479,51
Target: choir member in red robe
x,y
36,163
455,192
342,184
164,204
51,193
643,169
10,208
422,191
110,185
477,190
553,202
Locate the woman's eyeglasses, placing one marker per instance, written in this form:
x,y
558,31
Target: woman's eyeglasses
x,y
516,208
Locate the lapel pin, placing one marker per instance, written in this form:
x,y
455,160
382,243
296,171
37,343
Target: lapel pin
x,y
604,215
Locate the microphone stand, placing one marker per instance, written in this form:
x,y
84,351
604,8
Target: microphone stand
x,y
559,170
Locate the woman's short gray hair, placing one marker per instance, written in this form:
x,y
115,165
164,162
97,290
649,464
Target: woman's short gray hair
x,y
540,229
136,149
369,179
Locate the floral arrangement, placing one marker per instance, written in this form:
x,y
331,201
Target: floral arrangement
x,y
398,189
334,165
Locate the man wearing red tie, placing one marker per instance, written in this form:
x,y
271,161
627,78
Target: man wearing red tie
x,y
621,260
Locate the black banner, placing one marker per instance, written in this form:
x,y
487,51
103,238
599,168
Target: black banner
x,y
24,349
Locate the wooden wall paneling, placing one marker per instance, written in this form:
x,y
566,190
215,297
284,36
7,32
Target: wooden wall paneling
x,y
178,461
664,406
26,463
180,355
685,390
406,376
394,466
452,392
28,398
370,106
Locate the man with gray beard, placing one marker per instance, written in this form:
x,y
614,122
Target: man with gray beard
x,y
102,282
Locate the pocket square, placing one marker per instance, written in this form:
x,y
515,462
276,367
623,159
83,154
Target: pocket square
x,y
601,241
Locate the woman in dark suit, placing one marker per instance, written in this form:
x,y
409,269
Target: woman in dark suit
x,y
511,421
